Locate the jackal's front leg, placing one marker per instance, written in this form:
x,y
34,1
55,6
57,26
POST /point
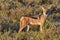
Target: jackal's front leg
x,y
41,28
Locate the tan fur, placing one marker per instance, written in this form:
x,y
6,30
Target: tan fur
x,y
24,21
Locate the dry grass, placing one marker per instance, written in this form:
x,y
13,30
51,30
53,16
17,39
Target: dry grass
x,y
12,10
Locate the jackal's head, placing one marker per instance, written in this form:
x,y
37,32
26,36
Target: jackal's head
x,y
46,11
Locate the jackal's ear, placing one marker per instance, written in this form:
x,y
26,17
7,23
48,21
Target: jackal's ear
x,y
43,9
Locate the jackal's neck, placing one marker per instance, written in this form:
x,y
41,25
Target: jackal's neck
x,y
44,14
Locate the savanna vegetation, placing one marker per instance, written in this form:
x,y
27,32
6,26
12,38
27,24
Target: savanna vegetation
x,y
12,10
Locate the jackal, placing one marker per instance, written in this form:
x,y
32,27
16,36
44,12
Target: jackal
x,y
25,21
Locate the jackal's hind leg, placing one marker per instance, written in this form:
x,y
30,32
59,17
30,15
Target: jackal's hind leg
x,y
21,29
22,26
28,28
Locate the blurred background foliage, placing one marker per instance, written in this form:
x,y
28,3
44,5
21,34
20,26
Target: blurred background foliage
x,y
12,10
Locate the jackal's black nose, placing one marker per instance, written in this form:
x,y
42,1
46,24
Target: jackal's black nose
x,y
48,12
